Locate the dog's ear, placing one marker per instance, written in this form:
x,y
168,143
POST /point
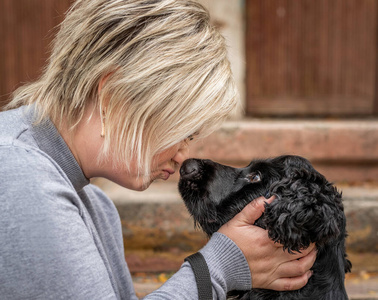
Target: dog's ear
x,y
308,209
291,164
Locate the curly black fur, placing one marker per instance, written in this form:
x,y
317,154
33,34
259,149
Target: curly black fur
x,y
308,209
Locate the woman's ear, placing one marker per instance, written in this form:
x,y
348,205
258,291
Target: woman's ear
x,y
103,102
102,82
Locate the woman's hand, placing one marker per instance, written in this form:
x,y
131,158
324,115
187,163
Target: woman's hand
x,y
271,267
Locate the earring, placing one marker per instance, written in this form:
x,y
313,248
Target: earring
x,y
103,123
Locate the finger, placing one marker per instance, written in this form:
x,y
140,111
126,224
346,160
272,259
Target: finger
x,y
296,254
291,284
308,260
269,200
253,210
302,253
297,267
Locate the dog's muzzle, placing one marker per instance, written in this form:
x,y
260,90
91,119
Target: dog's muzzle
x,y
190,169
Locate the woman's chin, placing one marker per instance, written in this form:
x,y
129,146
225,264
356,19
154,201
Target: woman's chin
x,y
137,185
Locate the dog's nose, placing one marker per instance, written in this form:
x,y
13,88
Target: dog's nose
x,y
189,169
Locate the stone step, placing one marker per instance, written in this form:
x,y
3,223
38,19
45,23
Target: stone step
x,y
342,150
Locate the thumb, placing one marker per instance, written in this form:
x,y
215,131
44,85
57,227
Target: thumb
x,y
253,210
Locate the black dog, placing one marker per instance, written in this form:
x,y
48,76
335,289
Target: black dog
x,y
307,209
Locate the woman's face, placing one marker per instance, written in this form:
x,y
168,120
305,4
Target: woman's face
x,y
163,166
87,142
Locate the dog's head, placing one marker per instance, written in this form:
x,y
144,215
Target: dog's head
x,y
307,207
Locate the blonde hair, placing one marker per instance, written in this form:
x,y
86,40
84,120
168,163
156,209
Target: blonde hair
x,y
169,75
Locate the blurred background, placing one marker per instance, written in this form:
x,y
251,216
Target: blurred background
x,y
307,76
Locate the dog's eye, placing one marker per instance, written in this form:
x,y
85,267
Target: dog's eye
x,y
254,177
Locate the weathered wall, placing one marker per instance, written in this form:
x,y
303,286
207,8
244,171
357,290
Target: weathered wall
x,y
229,17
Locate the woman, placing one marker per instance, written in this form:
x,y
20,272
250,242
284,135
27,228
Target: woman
x,y
129,83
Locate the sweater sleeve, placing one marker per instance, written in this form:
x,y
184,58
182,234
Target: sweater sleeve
x,y
46,249
228,269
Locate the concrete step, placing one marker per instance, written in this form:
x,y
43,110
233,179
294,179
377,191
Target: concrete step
x,y
342,150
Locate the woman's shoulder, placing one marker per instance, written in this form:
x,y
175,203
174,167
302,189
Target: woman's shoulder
x,y
30,179
26,162
11,125
100,201
21,158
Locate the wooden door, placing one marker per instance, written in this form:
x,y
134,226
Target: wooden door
x,y
311,58
26,31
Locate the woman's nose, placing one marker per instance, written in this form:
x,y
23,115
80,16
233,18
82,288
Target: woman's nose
x,y
182,154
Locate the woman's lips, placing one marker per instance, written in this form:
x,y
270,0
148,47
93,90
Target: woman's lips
x,y
167,173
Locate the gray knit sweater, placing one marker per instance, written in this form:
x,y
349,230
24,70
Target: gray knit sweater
x,y
60,236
